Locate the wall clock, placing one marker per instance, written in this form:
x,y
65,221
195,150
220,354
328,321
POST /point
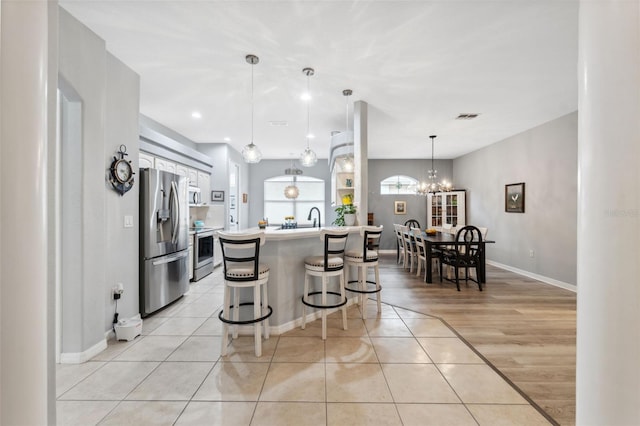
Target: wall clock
x,y
121,172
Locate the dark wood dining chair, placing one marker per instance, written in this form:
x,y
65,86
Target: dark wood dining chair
x,y
412,223
464,254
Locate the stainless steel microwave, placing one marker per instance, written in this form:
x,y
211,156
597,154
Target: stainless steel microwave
x,y
194,195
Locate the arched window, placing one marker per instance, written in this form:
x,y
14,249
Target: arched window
x,y
398,184
277,206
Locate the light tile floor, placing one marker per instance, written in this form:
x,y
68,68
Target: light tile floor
x,y
395,368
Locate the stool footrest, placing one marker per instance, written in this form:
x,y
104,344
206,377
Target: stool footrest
x,y
342,302
245,322
354,290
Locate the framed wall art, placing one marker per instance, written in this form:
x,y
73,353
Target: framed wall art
x,y
514,198
217,195
400,207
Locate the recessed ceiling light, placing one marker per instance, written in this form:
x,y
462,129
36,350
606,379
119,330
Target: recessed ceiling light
x,y
227,139
196,115
467,116
310,136
306,96
278,123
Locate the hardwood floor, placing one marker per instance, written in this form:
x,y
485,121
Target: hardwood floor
x,y
525,328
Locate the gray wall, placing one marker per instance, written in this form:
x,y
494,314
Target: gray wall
x,y
97,251
266,169
382,206
545,158
121,126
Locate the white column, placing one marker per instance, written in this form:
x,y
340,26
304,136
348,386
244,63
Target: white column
x,y
24,129
361,159
608,342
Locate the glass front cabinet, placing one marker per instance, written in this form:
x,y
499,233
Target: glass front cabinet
x,y
446,208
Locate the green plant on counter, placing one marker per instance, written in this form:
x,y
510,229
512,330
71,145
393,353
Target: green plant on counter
x,y
342,210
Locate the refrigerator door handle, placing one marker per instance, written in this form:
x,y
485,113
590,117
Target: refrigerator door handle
x,y
170,259
175,212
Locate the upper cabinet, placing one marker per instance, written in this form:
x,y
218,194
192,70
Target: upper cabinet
x,y
196,177
146,161
204,184
446,207
164,164
182,170
192,174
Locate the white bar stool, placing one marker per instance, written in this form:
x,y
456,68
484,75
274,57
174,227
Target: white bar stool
x,y
330,264
362,260
242,269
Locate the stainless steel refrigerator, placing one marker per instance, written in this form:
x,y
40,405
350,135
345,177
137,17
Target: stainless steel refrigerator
x,y
164,239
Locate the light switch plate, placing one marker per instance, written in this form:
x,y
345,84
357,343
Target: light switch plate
x,y
128,221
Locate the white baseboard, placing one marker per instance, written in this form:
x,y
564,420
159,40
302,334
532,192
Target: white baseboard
x,y
528,274
80,357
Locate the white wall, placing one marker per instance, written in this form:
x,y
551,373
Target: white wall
x,y
545,158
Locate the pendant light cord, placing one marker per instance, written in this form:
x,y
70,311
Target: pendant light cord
x,y
252,103
308,106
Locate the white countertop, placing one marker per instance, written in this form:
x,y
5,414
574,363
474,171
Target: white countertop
x,y
274,233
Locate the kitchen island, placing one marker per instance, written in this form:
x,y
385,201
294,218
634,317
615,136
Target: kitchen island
x,y
284,251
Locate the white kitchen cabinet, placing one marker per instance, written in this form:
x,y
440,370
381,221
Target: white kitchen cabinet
x,y
446,207
145,161
205,186
182,170
192,174
164,164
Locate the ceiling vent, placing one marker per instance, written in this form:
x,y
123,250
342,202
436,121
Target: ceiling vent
x,y
466,116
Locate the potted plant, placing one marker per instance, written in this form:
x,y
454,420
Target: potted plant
x,y
346,215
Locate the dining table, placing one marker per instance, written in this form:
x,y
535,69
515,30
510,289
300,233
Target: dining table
x,y
443,239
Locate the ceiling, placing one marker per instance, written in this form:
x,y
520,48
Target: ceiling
x,y
417,64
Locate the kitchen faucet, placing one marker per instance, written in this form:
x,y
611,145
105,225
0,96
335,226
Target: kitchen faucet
x,y
314,219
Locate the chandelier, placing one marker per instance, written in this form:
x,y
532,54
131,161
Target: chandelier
x,y
308,157
432,185
291,191
250,152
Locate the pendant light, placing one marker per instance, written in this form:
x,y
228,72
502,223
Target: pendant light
x,y
251,153
291,191
348,164
308,157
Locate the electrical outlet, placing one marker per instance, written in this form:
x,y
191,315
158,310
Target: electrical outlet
x,y
532,253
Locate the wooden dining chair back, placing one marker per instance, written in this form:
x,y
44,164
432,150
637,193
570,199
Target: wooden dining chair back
x,y
399,242
464,254
421,252
412,223
409,249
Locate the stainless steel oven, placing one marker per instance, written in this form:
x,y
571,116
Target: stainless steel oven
x,y
202,253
